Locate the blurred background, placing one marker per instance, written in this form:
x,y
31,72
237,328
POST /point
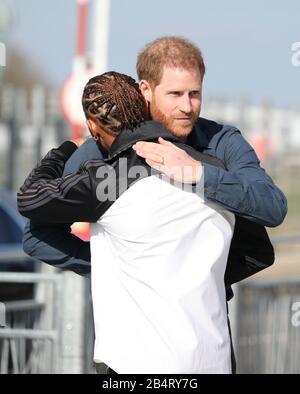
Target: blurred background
x,y
48,50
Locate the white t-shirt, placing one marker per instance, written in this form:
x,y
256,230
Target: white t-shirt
x,y
159,255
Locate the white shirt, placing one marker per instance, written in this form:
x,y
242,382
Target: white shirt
x,y
158,261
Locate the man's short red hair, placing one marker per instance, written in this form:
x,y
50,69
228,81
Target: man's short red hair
x,y
169,51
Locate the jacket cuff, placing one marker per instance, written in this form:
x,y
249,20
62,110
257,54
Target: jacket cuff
x,y
67,148
211,180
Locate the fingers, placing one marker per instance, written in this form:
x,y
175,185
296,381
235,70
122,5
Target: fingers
x,y
151,147
169,159
160,148
151,156
153,150
154,164
150,150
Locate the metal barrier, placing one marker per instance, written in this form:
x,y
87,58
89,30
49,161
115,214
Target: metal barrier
x,y
266,327
30,341
61,336
268,335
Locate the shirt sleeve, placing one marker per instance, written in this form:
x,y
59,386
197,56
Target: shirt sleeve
x,y
47,197
244,188
53,243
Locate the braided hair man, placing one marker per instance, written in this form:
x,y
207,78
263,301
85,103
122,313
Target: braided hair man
x,y
112,102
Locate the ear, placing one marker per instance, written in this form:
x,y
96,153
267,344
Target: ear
x,y
146,90
92,126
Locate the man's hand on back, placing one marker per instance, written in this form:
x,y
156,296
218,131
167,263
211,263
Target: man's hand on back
x,y
171,160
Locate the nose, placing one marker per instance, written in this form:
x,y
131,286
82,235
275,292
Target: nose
x,y
185,104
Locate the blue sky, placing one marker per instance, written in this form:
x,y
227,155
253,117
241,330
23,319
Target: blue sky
x,y
246,45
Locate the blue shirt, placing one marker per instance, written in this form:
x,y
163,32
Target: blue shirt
x,y
244,188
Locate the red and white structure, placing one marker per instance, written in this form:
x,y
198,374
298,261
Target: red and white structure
x,y
82,71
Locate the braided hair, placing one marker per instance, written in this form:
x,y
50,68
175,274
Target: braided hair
x,y
115,100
